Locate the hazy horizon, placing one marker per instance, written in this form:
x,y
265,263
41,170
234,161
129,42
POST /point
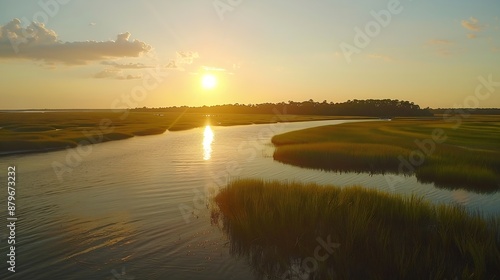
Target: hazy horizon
x,y
95,55
180,106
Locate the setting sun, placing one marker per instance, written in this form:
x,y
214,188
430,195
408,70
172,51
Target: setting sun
x,y
232,137
208,81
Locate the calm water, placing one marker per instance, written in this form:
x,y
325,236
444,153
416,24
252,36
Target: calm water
x,y
137,209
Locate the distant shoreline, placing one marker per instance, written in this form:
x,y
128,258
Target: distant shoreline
x,y
48,136
23,152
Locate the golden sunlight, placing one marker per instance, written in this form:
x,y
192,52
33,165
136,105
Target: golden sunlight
x,y
208,138
208,81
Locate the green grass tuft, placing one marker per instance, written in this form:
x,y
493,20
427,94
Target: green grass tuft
x,y
469,157
381,236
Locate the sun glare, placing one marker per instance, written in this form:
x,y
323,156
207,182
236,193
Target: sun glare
x,y
208,81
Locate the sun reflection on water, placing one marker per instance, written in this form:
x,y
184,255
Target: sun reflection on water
x,y
208,138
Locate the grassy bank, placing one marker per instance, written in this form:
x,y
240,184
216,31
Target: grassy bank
x,y
57,130
277,226
436,151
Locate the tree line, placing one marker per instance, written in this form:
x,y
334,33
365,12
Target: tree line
x,y
386,108
466,111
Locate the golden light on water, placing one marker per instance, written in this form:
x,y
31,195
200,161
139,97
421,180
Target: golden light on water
x,y
208,138
460,196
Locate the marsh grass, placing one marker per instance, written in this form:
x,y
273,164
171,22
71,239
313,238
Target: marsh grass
x,y
460,176
382,236
373,158
58,130
468,158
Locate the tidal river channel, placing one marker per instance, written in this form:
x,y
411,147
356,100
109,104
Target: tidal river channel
x,y
137,208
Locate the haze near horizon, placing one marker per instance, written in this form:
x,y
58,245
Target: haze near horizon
x,y
91,54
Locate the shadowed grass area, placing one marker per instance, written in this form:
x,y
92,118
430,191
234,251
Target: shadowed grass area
x,y
365,234
46,131
374,158
447,154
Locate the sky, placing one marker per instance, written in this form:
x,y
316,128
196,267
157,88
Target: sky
x,y
76,54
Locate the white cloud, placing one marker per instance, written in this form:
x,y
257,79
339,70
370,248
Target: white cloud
x,y
107,73
208,68
472,24
186,57
129,77
182,57
117,74
39,43
174,65
127,65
